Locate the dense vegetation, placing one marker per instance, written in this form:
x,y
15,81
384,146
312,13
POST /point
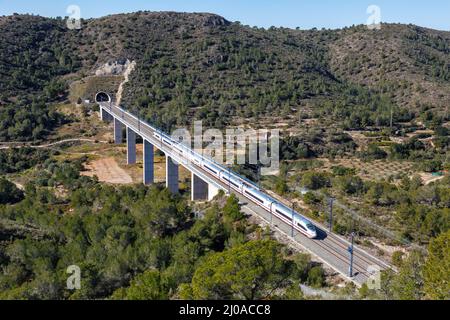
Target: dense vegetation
x,y
317,142
35,53
132,242
19,159
217,73
420,276
25,120
9,193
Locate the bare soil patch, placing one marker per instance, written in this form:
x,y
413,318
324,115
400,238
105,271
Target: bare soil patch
x,y
428,178
107,170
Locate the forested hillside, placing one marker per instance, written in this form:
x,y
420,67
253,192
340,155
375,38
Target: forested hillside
x,y
212,69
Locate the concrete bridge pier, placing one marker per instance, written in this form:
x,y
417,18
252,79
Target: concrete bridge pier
x,y
118,127
212,192
148,163
131,146
199,188
105,116
172,175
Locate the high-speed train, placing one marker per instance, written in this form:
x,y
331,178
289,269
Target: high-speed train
x,y
242,186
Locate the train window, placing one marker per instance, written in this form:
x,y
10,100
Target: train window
x,y
301,226
310,226
167,142
254,197
284,215
213,171
234,184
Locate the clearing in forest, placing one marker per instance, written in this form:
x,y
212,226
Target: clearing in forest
x,y
107,170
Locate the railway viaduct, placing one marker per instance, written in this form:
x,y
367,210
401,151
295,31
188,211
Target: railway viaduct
x,y
329,248
203,187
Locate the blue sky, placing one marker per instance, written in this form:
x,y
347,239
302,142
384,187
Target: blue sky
x,y
263,13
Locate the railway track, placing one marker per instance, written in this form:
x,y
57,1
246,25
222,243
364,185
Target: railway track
x,y
369,259
344,258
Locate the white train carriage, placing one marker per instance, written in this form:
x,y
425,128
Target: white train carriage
x,y
300,224
258,197
231,181
212,168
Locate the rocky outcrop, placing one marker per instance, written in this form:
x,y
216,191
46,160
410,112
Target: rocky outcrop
x,y
114,68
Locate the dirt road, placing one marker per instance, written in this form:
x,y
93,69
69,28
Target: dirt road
x,y
49,145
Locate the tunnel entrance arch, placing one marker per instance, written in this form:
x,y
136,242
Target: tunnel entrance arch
x,y
102,97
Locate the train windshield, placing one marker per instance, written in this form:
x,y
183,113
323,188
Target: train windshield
x,y
310,226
